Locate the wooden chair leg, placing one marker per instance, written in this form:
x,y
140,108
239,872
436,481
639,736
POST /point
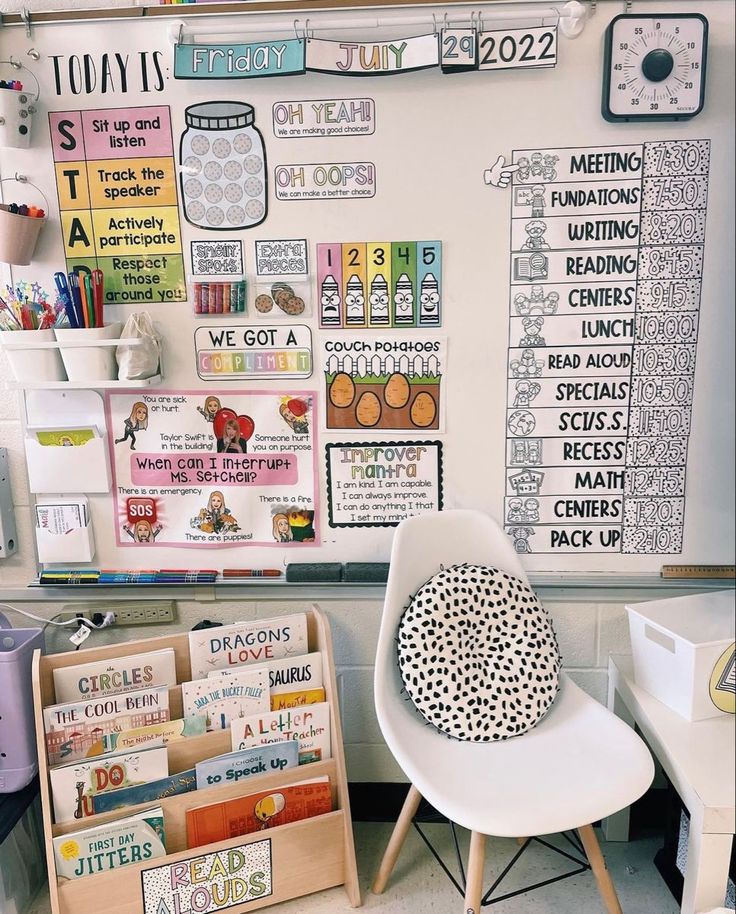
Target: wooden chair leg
x,y
600,871
474,880
521,841
396,842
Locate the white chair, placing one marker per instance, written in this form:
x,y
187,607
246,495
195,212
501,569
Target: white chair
x,y
578,765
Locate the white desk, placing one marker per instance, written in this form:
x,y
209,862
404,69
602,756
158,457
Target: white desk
x,y
700,760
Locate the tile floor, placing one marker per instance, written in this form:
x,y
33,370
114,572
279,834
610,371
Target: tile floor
x,y
418,886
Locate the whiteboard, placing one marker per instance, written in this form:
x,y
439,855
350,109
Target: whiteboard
x,y
435,135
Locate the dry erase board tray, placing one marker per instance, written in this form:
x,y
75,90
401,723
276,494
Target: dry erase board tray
x,y
82,385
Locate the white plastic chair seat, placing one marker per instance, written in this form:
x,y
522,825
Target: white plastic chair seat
x,y
578,765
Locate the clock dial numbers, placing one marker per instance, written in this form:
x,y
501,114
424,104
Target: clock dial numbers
x,y
655,67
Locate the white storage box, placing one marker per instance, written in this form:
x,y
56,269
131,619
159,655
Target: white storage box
x,y
675,645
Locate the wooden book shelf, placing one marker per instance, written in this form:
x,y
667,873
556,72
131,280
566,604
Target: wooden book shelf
x,y
306,856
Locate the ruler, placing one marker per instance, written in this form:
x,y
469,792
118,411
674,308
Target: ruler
x,y
727,572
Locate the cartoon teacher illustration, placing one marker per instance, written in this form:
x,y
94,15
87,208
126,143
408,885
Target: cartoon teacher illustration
x,y
210,408
143,531
215,518
136,422
282,529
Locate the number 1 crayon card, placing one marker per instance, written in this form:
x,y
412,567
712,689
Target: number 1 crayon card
x,y
330,285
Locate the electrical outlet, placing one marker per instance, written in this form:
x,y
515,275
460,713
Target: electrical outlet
x,y
155,612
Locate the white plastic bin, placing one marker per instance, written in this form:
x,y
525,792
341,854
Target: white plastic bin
x,y
675,645
89,362
29,364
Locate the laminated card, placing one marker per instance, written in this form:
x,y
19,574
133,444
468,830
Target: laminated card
x,y
242,643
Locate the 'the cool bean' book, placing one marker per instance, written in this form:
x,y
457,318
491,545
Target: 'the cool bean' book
x,y
242,643
309,724
115,676
74,727
75,786
223,698
108,847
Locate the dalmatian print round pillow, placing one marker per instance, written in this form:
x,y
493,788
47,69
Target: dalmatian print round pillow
x,y
478,654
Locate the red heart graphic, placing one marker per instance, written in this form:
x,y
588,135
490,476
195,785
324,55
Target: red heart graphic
x,y
221,417
247,426
298,407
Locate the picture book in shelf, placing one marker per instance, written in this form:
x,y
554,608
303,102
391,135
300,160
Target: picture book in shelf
x,y
289,674
115,676
235,766
258,811
257,641
74,727
297,699
134,839
224,698
75,786
152,792
309,725
146,737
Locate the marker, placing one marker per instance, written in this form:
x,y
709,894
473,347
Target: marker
x,y
62,287
89,296
251,573
76,297
98,294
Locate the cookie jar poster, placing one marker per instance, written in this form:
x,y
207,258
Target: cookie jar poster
x,y
213,468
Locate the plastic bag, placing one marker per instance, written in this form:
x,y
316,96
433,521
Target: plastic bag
x,y
143,360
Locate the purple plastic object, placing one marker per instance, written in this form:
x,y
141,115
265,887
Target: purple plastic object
x,y
18,756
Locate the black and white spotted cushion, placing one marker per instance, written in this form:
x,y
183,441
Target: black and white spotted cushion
x,y
478,654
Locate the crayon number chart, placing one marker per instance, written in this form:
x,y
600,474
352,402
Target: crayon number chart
x,y
380,284
606,265
116,183
214,468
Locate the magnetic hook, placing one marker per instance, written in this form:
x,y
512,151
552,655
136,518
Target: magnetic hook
x,y
180,33
26,17
296,28
446,24
21,179
15,64
627,6
34,54
308,33
480,20
434,24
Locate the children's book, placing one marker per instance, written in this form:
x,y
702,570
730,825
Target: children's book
x,y
74,727
223,698
75,786
134,839
258,641
290,674
147,737
235,766
169,786
115,676
309,725
297,699
258,812
64,437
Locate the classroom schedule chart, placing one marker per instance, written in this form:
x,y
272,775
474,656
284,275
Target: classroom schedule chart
x,y
116,181
606,265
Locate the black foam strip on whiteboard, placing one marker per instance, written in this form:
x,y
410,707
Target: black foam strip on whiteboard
x,y
313,572
366,572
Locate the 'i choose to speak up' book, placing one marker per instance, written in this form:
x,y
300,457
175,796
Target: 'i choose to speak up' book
x,y
309,725
115,676
234,766
74,786
74,727
108,847
223,698
227,646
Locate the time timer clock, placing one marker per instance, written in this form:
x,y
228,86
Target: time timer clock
x,y
654,67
